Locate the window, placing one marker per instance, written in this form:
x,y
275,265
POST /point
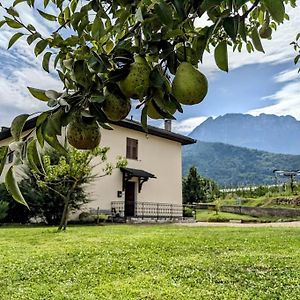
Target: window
x,y
132,148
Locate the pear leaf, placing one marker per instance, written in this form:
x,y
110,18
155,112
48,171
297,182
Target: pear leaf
x,y
46,60
3,155
17,126
38,94
13,188
221,56
256,40
14,38
276,9
33,157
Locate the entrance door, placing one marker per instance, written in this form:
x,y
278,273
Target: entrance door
x,y
129,199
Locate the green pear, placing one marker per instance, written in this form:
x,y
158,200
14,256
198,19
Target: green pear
x,y
189,85
82,135
136,84
115,106
265,31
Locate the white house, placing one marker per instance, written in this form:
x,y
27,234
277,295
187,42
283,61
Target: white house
x,y
151,183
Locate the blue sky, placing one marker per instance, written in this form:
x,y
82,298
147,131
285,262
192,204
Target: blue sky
x,y
257,83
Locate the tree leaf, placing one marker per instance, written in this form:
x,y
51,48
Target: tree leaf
x,y
16,2
40,136
47,16
38,94
164,13
243,30
13,24
14,38
13,188
256,40
46,60
34,158
221,56
276,9
51,138
17,126
3,155
144,118
40,47
231,26
179,5
97,28
46,2
32,38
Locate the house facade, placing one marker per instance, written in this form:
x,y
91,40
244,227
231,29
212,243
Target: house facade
x,y
149,186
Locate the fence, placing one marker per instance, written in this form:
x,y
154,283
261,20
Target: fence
x,y
148,209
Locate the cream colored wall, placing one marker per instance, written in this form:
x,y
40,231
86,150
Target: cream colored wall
x,y
156,155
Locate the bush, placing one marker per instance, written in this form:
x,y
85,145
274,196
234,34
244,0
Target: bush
x,y
3,209
187,212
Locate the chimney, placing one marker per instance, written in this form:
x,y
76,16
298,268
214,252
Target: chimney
x,y
3,129
168,125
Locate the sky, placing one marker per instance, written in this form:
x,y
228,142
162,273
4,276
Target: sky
x,y
256,83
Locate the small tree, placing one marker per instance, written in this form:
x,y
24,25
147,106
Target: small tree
x,y
197,188
65,176
44,203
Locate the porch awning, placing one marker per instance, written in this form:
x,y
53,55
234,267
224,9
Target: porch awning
x,y
142,176
137,173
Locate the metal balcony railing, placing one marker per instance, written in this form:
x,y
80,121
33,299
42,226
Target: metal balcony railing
x,y
146,209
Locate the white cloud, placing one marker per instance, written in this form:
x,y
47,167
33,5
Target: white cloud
x,y
187,125
288,102
287,75
14,96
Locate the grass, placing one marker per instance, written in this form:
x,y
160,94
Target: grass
x,y
149,262
204,215
264,201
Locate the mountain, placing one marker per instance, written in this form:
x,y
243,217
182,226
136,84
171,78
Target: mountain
x,y
233,166
277,134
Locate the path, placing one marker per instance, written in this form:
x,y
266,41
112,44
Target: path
x,y
221,224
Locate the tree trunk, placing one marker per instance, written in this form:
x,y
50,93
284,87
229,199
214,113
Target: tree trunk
x,y
64,217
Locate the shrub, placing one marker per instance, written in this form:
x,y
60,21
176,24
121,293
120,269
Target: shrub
x,y
3,209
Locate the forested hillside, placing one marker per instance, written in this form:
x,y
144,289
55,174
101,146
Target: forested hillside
x,y
232,166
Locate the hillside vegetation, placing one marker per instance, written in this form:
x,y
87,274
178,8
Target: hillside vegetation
x,y
236,166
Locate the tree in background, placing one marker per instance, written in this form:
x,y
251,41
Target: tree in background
x,y
197,188
3,209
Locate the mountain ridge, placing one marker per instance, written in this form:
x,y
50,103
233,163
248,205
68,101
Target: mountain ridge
x,y
275,134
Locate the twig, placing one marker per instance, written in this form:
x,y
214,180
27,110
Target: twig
x,y
245,15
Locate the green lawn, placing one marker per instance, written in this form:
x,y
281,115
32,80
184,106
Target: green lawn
x,y
149,262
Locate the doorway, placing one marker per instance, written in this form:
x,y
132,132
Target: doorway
x,y
129,199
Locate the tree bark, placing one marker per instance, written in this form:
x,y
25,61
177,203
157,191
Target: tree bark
x,y
64,217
